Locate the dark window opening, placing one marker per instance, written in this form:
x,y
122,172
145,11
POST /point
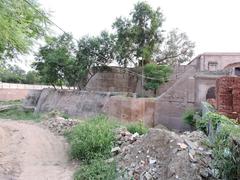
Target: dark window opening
x,y
237,71
212,66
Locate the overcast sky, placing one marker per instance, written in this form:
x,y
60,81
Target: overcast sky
x,y
212,24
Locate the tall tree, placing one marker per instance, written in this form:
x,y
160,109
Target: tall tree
x,y
93,54
54,58
20,25
176,49
138,37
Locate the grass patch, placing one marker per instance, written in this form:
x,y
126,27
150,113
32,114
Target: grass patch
x,y
92,139
97,169
12,102
188,116
137,127
19,114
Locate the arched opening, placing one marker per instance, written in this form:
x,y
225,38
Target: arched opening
x,y
211,93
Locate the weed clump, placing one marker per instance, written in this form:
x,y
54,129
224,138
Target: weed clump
x,y
188,116
92,139
97,169
138,127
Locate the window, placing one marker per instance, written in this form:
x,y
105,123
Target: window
x,y
237,71
212,66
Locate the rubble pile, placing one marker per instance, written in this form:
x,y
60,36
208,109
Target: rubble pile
x,y
162,154
59,124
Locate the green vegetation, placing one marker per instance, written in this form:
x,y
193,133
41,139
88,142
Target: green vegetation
x,y
137,128
188,116
14,74
20,26
97,169
20,114
92,139
91,142
11,102
158,74
226,147
136,41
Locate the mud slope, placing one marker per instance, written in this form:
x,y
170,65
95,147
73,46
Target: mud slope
x,y
30,152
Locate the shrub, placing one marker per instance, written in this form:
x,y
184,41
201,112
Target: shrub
x,y
137,128
97,169
225,152
188,117
92,139
215,120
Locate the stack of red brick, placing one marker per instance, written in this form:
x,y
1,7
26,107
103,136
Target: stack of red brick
x,y
228,96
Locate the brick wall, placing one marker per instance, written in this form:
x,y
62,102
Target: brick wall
x,y
228,96
13,94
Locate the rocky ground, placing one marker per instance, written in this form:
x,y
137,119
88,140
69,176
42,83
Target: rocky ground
x,y
162,154
59,125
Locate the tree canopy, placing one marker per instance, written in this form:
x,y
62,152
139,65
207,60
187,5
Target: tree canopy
x,y
138,40
137,37
20,25
157,75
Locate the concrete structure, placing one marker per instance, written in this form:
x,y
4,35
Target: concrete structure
x,y
211,66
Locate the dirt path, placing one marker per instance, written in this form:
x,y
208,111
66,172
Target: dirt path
x,y
30,152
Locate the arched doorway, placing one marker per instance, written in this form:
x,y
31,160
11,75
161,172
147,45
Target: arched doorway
x,y
211,93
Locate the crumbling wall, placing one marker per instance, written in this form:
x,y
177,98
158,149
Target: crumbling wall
x,y
114,80
86,104
228,96
131,109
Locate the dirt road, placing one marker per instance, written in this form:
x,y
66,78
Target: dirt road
x,y
31,152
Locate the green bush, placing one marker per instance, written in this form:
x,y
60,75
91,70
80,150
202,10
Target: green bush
x,y
215,120
226,153
137,128
92,139
188,117
97,169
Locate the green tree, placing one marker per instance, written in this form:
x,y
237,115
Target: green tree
x,y
12,74
157,75
94,53
20,26
53,60
138,37
32,77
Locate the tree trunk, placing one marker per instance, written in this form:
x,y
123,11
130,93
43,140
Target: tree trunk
x,y
54,86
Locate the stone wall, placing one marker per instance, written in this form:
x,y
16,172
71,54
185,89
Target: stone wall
x,y
131,109
171,104
85,104
114,80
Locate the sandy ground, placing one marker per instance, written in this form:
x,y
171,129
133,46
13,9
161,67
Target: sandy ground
x,y
31,152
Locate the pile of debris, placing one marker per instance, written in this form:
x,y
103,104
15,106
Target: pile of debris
x,y
162,154
59,124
